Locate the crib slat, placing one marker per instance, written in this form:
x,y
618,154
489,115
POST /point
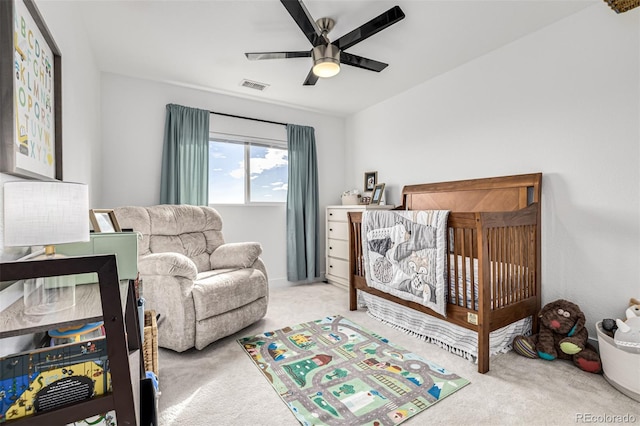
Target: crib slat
x,y
508,258
472,270
494,250
463,259
357,251
452,263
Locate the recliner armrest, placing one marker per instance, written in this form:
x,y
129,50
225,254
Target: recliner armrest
x,y
173,264
235,255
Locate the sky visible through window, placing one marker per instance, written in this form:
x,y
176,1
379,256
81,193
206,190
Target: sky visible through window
x,y
227,173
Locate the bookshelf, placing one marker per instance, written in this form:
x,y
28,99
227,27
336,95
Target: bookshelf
x,y
108,300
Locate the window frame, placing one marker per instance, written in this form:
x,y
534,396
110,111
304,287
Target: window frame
x,y
247,142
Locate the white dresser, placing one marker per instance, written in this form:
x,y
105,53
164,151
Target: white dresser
x,y
337,247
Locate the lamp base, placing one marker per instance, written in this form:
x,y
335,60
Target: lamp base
x,y
43,296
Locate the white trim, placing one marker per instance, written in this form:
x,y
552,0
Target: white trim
x,y
233,138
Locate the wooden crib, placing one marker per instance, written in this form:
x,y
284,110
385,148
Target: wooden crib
x,y
494,223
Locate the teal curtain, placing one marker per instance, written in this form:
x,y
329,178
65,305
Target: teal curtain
x,y
303,253
185,157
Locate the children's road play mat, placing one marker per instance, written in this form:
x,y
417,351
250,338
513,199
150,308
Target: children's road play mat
x,y
334,372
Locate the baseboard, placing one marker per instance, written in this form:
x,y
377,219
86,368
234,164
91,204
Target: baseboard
x,y
283,282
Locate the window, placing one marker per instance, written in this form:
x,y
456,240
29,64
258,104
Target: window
x,y
247,172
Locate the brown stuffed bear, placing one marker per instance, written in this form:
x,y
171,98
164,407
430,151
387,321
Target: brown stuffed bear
x,y
562,335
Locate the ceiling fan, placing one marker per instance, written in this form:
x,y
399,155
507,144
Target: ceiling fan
x,y
327,56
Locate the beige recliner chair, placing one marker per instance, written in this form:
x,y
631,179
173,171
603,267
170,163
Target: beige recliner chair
x,y
202,288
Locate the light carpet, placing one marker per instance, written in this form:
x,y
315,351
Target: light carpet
x,y
220,386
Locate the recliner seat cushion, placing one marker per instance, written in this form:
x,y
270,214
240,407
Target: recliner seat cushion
x,y
214,294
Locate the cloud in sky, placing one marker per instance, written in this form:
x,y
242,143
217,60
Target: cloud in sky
x,y
279,186
273,158
239,172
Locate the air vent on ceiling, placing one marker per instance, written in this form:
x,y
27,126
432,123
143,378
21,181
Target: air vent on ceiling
x,y
254,85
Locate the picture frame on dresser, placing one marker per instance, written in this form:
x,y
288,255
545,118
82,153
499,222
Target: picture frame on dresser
x,y
30,75
376,196
104,220
370,181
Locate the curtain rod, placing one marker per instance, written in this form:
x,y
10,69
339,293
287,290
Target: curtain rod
x,y
247,118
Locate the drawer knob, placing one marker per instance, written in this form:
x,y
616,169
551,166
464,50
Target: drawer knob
x,y
330,248
330,214
330,229
330,266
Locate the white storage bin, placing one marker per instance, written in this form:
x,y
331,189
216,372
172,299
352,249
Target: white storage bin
x,y
621,368
349,200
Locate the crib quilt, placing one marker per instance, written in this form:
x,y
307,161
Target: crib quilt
x,y
404,254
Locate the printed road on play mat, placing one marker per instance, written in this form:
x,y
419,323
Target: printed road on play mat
x,y
333,372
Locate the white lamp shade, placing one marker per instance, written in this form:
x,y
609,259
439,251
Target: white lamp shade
x,y
45,213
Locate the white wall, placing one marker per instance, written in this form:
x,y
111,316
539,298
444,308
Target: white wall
x,y
80,97
133,116
563,101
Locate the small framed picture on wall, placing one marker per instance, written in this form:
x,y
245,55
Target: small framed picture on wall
x,y
370,181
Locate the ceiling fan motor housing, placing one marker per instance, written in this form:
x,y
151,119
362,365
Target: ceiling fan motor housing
x,y
326,60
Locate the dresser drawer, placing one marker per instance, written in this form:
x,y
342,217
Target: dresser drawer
x,y
338,248
339,215
338,230
338,267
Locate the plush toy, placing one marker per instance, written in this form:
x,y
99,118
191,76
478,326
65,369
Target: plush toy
x,y
627,335
634,305
562,335
609,325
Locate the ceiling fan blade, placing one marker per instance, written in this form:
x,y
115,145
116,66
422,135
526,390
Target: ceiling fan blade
x,y
311,79
254,56
365,31
360,62
303,18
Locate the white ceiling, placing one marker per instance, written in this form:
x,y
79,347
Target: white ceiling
x,y
202,43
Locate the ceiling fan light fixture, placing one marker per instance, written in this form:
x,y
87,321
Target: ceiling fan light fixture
x,y
326,60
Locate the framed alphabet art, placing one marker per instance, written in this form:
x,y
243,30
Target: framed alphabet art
x,y
30,94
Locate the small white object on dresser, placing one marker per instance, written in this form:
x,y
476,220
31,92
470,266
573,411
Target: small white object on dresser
x,y
337,246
